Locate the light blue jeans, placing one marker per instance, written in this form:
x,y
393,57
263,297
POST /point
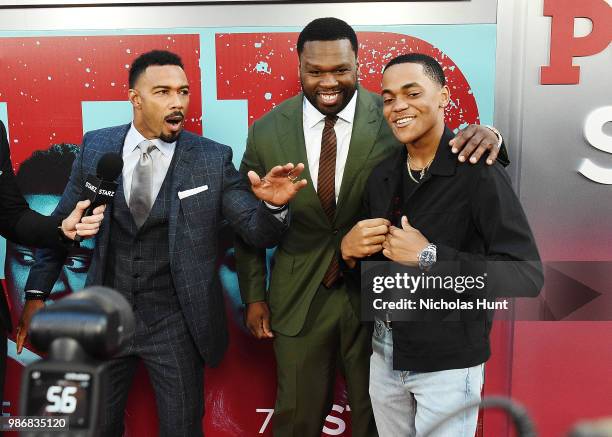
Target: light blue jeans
x,y
409,404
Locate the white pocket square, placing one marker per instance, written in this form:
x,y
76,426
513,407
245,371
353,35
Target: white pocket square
x,y
187,193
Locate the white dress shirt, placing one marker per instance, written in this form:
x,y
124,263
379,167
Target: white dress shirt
x,y
314,122
161,159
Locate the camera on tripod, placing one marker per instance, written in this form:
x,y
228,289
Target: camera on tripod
x,y
79,332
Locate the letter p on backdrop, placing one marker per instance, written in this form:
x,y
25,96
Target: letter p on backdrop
x,y
564,45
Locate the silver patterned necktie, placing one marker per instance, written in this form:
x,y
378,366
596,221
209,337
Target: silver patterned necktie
x,y
141,199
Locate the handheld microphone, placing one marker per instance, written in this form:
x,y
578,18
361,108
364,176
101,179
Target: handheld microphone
x,y
100,189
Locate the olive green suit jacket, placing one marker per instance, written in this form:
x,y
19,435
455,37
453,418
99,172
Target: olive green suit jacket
x,y
307,248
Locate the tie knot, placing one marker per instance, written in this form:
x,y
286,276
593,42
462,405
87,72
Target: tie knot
x,y
330,120
147,147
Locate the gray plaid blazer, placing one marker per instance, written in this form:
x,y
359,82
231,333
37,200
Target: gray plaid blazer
x,y
194,226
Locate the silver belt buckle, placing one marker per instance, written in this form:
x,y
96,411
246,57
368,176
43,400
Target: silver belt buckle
x,y
387,322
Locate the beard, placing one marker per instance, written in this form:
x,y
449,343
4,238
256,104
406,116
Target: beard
x,y
171,138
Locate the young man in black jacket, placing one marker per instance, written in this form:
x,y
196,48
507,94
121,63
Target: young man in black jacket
x,y
425,210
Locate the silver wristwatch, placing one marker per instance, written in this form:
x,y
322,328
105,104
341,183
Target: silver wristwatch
x,y
427,257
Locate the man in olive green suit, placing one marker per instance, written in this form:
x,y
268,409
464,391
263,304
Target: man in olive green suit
x,y
311,311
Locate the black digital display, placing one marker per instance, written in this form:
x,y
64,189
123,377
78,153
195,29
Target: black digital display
x,y
53,393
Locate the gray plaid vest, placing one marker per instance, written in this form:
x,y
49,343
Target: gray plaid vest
x,y
138,263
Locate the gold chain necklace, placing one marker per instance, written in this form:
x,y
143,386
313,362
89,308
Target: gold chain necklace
x,y
422,170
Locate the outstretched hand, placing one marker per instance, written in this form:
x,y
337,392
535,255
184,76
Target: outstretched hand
x,y
280,185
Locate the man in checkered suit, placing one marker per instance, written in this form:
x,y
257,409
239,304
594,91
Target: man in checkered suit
x,y
158,243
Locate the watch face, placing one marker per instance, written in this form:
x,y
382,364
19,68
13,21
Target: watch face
x,y
427,257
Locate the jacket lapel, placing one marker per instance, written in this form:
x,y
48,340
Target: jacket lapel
x,y
183,170
393,170
115,145
366,125
291,139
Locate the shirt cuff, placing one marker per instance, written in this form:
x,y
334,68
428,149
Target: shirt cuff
x,y
34,295
497,133
280,212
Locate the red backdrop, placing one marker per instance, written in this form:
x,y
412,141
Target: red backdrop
x,y
45,79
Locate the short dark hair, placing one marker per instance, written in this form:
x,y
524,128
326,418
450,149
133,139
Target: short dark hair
x,y
431,67
154,57
327,29
47,171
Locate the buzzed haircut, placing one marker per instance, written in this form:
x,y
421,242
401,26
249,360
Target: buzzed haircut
x,y
154,57
47,171
327,29
431,67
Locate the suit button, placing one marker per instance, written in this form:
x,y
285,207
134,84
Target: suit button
x,y
136,275
335,232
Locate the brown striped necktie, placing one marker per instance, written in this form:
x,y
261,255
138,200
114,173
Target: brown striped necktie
x,y
326,188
